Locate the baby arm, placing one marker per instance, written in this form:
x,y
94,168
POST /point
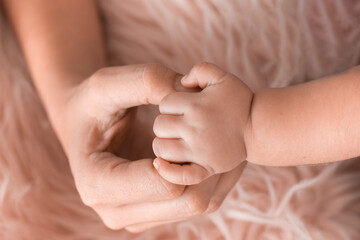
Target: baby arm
x,y
310,123
215,130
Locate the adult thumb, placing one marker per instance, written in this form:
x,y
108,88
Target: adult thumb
x,y
132,85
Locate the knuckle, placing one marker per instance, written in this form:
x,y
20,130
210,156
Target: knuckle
x,y
94,86
111,220
158,81
111,223
89,190
100,73
188,131
95,80
194,108
196,204
88,197
152,75
197,115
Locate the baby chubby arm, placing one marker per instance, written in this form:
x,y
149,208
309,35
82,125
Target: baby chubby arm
x,y
311,123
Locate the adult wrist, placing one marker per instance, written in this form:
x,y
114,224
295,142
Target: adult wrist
x,y
56,94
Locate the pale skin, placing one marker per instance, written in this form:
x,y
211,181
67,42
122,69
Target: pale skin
x,y
215,130
91,109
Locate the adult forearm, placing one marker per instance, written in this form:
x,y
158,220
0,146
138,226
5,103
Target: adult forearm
x,y
62,43
315,122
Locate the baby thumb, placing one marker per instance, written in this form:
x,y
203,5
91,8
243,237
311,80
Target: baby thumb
x,y
203,75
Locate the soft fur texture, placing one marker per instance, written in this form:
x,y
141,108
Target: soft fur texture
x,y
265,43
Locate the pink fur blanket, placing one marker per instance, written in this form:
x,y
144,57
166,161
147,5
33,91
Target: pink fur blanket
x,y
265,43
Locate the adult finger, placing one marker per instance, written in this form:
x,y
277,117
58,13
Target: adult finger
x,y
194,201
106,180
137,228
224,186
131,85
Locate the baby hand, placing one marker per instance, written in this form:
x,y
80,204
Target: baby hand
x,y
201,134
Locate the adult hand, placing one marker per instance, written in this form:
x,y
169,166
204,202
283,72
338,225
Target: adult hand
x,y
92,126
203,198
94,122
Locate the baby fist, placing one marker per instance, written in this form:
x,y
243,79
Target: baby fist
x,y
201,134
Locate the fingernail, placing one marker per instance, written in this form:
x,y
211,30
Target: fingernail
x,y
156,164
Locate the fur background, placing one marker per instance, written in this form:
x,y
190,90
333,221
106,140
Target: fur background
x,y
265,43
